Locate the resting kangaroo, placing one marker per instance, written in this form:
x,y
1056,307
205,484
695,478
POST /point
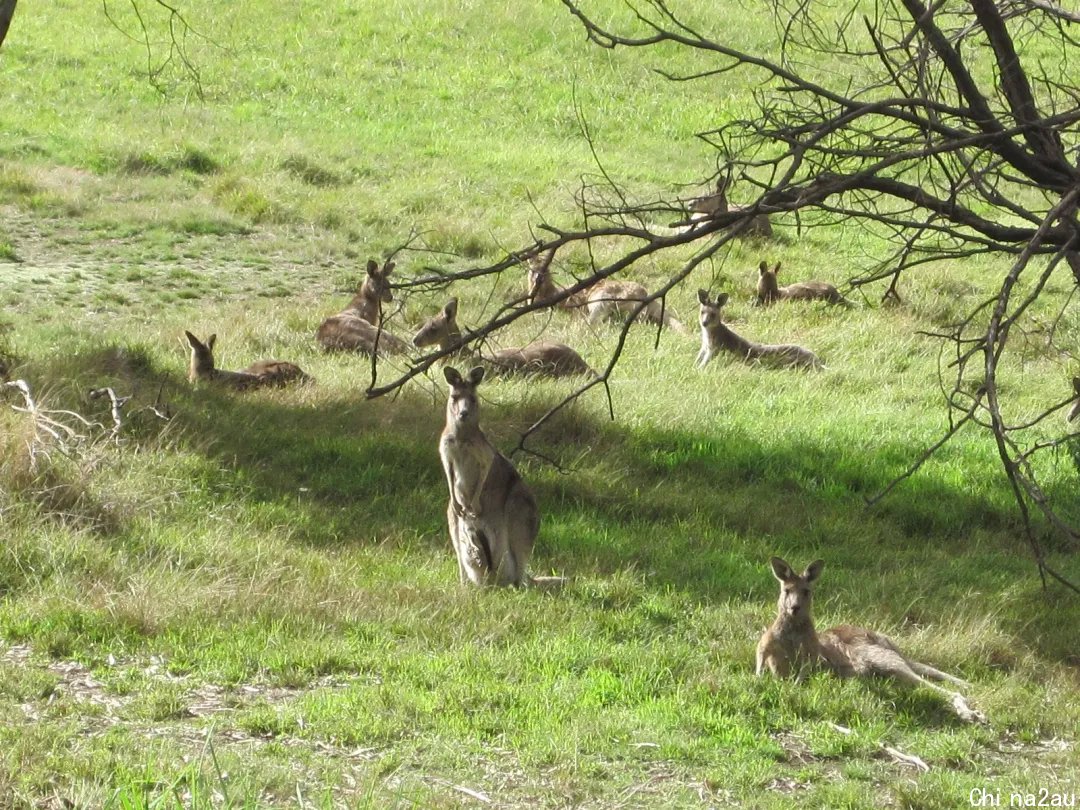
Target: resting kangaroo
x,y
705,207
716,336
374,290
1074,411
769,290
605,299
543,357
791,643
492,516
358,327
259,374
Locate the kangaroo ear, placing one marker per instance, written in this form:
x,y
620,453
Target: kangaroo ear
x,y
1076,385
193,341
452,375
813,570
450,310
703,297
372,267
210,342
781,570
476,376
776,270
722,299
763,268
388,268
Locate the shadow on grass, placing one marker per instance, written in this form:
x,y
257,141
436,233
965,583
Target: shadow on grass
x,y
697,513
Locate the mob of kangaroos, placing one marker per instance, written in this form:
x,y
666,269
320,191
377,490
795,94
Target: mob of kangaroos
x,y
791,643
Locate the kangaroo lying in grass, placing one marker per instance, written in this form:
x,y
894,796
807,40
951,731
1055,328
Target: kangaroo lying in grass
x,y
492,515
716,336
261,373
769,290
544,358
347,332
791,642
358,327
374,290
704,208
605,299
1074,411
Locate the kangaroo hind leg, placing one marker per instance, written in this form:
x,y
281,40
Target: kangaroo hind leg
x,y
897,667
928,671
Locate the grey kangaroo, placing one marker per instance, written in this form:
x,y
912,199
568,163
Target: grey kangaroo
x,y
544,358
492,515
703,208
605,299
791,643
358,327
261,373
717,336
769,289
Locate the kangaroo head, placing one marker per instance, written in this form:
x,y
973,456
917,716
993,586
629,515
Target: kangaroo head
x,y
1074,411
795,591
540,275
202,356
439,328
709,313
462,406
377,283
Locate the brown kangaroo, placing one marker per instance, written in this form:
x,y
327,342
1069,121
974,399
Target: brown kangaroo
x,y
1074,411
703,208
544,358
717,336
374,290
492,515
358,327
349,333
605,299
261,373
791,643
769,290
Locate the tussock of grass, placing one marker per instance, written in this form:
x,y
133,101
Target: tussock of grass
x,y
240,198
312,173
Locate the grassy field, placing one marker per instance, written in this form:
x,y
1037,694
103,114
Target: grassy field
x,y
255,603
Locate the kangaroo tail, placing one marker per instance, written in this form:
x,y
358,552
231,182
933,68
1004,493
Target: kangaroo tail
x,y
547,583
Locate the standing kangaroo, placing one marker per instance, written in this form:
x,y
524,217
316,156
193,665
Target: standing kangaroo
x,y
703,208
1074,411
769,290
605,299
259,374
717,336
492,515
358,327
544,358
790,643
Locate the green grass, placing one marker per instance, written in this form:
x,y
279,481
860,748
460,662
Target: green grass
x,y
255,604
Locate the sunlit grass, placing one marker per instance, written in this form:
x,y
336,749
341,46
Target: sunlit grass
x,y
261,590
